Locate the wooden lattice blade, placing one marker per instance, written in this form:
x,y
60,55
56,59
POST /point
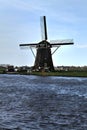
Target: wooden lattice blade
x,y
55,43
43,27
24,46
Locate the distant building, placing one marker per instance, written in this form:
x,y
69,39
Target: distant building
x,y
10,68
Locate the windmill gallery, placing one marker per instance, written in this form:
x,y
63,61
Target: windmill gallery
x,y
43,58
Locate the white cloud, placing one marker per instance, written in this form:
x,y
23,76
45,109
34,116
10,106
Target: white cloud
x,y
59,10
22,5
83,46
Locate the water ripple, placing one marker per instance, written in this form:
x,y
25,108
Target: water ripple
x,y
42,103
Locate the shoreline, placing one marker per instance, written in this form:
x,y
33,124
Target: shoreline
x,y
55,73
63,74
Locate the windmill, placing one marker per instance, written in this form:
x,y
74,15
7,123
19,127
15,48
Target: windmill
x,y
43,58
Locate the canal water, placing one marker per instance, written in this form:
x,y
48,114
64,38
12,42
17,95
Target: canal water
x,y
42,103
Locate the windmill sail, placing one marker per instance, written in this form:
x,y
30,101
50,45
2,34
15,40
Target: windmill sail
x,y
28,45
43,28
55,43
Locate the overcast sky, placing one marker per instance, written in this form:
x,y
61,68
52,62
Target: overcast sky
x,y
20,23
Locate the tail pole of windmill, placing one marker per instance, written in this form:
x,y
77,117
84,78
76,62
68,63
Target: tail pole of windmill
x,y
43,58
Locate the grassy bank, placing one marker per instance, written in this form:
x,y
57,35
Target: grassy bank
x,y
62,73
56,73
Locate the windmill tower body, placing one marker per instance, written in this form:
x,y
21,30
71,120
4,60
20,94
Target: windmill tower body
x,y
43,58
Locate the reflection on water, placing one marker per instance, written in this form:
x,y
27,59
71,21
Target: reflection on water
x,y
43,103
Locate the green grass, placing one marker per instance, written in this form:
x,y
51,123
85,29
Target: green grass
x,y
62,73
2,70
55,73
